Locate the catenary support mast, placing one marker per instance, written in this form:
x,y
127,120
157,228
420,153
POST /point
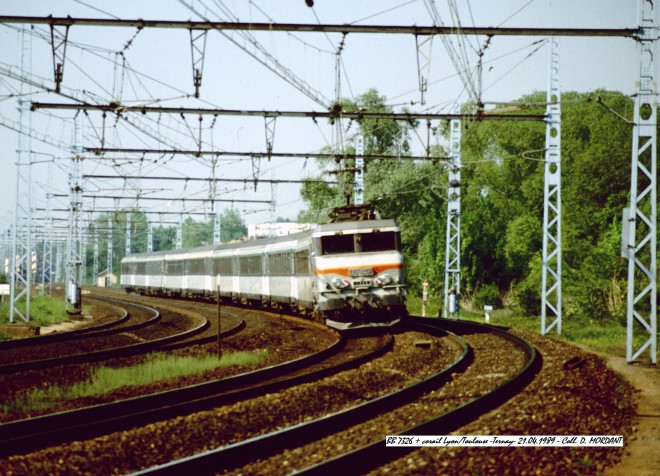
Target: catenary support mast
x,y
641,242
453,240
19,262
551,277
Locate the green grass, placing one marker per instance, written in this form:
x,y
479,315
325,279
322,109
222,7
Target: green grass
x,y
608,337
44,310
106,379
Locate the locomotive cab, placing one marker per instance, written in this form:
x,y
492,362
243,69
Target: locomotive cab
x,y
360,276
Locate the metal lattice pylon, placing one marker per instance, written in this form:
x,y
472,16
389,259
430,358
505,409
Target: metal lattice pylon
x,y
19,262
95,270
74,238
128,232
641,244
109,257
453,239
358,188
150,237
179,232
47,247
216,228
551,277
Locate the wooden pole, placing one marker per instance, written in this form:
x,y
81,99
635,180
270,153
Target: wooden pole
x,y
219,327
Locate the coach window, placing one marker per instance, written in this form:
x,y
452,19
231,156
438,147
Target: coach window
x,y
223,266
175,268
302,263
154,267
196,267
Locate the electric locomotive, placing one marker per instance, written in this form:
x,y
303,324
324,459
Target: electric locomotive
x,y
348,273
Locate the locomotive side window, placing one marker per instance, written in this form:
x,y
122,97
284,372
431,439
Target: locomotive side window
x,y
140,268
379,241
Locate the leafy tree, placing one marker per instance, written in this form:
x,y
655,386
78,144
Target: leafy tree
x,y
232,226
507,173
164,238
502,200
381,137
197,233
115,223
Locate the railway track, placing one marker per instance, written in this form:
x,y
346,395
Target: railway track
x,y
543,407
34,433
285,442
116,339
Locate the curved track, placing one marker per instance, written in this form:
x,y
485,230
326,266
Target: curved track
x,y
30,434
74,343
375,454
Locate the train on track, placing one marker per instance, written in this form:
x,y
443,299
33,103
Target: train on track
x,y
348,273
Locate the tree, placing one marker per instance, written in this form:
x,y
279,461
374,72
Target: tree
x,y
197,233
232,226
381,137
164,238
504,171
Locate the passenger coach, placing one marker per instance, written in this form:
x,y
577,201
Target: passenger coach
x,y
348,274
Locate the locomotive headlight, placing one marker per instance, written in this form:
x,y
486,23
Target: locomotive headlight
x,y
340,283
383,280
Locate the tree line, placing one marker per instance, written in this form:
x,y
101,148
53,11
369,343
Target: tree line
x,y
111,227
502,180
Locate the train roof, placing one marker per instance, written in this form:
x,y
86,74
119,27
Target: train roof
x,y
224,246
318,230
353,226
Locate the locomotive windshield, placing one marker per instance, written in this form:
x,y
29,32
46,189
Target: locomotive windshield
x,y
358,243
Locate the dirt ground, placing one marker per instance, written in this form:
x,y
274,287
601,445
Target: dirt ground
x,y
642,455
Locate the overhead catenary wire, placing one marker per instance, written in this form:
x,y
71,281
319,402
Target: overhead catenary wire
x,y
146,122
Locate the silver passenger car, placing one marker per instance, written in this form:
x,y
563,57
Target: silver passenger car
x,y
346,274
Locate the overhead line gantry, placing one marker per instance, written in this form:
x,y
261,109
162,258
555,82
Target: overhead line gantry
x,y
318,28
332,114
640,246
168,199
202,179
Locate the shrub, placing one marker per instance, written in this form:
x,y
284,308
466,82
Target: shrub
x,y
488,295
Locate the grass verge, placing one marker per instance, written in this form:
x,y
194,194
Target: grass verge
x,y
44,310
156,367
605,337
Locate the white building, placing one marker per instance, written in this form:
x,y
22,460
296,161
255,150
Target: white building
x,y
265,230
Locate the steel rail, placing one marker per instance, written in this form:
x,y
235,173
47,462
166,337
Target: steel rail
x,y
111,353
238,454
63,336
31,434
371,456
377,454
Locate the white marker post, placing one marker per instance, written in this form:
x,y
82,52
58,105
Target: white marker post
x,y
425,296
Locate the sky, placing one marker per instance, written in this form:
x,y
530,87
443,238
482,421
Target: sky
x,y
154,67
